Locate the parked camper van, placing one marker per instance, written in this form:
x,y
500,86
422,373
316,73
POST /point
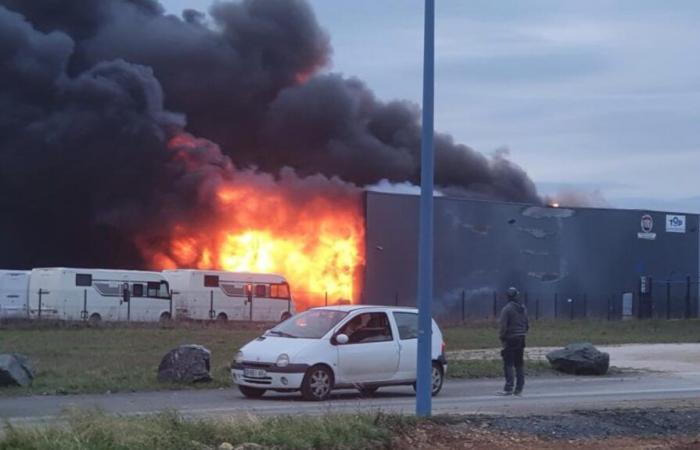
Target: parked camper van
x,y
217,295
14,285
99,295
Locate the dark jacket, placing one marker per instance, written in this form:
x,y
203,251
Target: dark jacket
x,y
513,320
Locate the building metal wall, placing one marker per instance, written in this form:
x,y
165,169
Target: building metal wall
x,y
567,262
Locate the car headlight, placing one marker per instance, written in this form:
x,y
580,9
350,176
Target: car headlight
x,y
238,358
282,360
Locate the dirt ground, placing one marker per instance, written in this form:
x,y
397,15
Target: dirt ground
x,y
609,429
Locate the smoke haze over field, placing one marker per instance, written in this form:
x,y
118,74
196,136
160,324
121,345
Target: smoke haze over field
x,y
94,91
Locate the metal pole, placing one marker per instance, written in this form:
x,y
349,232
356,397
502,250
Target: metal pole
x,y
40,292
495,305
84,313
425,246
211,304
687,297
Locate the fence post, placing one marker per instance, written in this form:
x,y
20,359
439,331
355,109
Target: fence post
x,y
571,309
556,305
464,295
40,294
84,313
668,299
211,305
687,297
495,305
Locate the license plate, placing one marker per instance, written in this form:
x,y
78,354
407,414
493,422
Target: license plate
x,y
254,373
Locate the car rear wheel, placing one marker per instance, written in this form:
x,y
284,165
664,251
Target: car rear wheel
x,y
251,392
437,378
317,383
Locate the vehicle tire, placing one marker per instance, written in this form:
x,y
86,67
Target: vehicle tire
x,y
95,319
222,317
251,392
368,391
317,384
437,377
164,317
285,315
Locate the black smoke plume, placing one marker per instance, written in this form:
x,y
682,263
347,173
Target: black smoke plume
x,y
92,91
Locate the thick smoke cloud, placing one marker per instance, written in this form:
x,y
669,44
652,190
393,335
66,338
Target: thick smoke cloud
x,y
93,90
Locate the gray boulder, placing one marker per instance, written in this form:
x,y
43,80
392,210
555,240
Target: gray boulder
x,y
185,364
580,359
16,370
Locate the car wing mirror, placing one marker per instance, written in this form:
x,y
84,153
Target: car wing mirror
x,y
342,339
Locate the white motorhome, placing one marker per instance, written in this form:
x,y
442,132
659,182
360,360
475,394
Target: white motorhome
x,y
14,285
218,295
99,295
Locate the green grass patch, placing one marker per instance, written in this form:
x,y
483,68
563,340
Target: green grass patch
x,y
78,359
170,431
546,333
493,368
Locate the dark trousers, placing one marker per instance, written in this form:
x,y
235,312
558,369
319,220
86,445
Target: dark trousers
x,y
512,354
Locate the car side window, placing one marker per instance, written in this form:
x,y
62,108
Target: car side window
x,y
407,323
368,327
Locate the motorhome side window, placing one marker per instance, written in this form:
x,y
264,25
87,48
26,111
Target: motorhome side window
x,y
137,290
279,291
260,290
157,289
83,279
211,281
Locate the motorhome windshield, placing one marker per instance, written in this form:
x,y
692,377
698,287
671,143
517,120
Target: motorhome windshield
x,y
312,324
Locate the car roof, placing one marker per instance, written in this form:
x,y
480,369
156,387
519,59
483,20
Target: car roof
x,y
352,308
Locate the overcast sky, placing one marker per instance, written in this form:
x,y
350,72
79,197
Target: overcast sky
x,y
597,95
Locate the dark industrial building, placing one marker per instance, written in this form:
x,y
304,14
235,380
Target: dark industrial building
x,y
567,262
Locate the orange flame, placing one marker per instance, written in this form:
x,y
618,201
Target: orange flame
x,y
312,236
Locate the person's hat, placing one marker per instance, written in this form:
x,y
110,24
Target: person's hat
x,y
512,293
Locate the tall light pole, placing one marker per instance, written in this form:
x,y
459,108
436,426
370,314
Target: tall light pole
x,y
425,246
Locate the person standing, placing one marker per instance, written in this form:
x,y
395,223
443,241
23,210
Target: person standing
x,y
513,328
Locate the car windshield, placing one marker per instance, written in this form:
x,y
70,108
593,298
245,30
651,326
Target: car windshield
x,y
312,324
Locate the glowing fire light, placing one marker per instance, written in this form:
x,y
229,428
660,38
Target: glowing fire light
x,y
312,236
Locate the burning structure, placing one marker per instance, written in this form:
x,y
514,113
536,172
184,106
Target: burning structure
x,y
131,138
567,262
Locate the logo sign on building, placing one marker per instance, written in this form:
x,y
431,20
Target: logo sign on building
x,y
647,224
675,223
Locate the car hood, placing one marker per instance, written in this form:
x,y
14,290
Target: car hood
x,y
268,348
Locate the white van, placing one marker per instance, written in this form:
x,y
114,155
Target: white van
x,y
99,294
219,295
14,286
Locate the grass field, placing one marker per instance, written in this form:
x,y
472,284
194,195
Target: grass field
x,y
80,360
167,431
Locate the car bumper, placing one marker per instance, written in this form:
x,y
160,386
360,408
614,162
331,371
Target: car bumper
x,y
283,378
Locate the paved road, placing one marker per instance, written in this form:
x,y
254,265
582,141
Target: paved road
x,y
542,395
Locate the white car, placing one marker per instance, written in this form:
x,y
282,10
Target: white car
x,y
355,346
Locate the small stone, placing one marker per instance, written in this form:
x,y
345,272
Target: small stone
x,y
225,446
16,370
185,364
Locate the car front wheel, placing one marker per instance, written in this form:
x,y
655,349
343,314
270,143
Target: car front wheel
x,y
437,377
317,383
251,392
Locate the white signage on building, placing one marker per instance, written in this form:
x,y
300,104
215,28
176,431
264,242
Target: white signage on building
x,y
647,225
675,223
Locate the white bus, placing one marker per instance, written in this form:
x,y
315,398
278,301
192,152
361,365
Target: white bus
x,y
218,295
14,285
99,295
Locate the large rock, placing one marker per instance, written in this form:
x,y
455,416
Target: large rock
x,y
185,364
580,359
16,370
